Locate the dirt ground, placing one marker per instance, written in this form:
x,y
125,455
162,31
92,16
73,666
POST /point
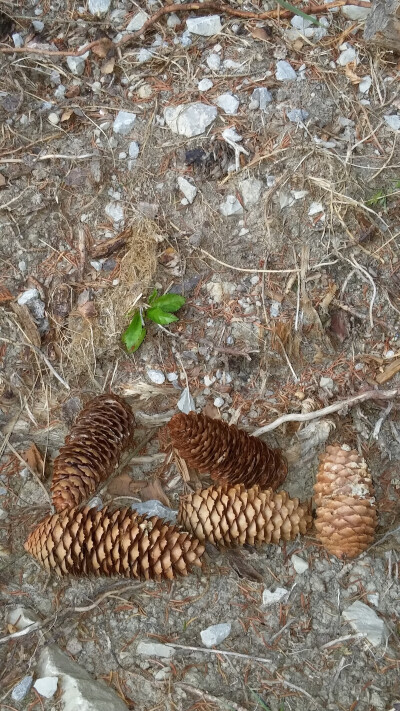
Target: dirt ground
x,y
292,304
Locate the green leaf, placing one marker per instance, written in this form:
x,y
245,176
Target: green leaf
x,y
135,334
169,302
259,700
153,296
296,11
159,316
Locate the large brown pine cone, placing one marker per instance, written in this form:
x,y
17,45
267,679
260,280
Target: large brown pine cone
x,y
102,431
346,511
232,515
91,542
227,452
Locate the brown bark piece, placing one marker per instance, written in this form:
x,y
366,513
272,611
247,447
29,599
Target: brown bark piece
x,y
382,26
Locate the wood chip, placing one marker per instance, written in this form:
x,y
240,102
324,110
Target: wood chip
x,y
27,323
34,459
389,372
109,246
5,295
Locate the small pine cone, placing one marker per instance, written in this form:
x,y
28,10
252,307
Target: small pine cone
x,y
228,453
346,511
91,542
233,515
101,432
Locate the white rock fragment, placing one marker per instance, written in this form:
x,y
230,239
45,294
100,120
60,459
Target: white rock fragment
x,y
46,686
297,115
78,689
393,121
205,84
300,23
231,64
38,25
186,403
173,20
326,383
54,119
17,39
365,84
214,62
347,56
299,194
156,376
209,381
251,191
315,208
21,689
172,377
284,71
218,402
365,620
115,211
76,65
205,26
144,55
137,21
299,564
98,8
155,649
21,617
162,674
190,119
230,134
270,598
353,12
123,122
28,295
231,206
228,103
373,598
215,634
260,99
285,199
188,190
133,150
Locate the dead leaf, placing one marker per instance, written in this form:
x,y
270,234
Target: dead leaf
x,y
5,295
72,91
209,410
88,309
124,485
34,459
101,49
260,33
340,325
109,246
352,76
27,323
66,114
389,372
243,568
154,490
171,260
108,66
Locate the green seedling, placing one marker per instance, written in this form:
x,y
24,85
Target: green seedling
x,y
380,198
297,11
160,310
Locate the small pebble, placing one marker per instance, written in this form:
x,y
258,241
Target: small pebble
x,y
21,689
156,376
214,62
299,564
228,103
284,71
46,686
270,598
123,122
205,84
215,634
218,402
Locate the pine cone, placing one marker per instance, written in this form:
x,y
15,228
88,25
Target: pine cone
x,y
228,453
233,515
102,431
91,542
346,511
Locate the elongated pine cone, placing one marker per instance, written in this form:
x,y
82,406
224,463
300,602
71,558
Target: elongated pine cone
x,y
233,515
344,497
228,453
102,431
91,542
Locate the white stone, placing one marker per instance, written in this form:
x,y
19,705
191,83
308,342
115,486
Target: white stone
x,y
231,64
228,103
76,65
231,206
326,383
162,674
353,12
373,598
186,403
156,376
190,119
365,620
38,25
297,115
214,62
99,7
17,39
230,134
209,381
300,23
46,686
172,377
260,98
270,598
189,190
96,264
115,211
122,155
154,649
28,295
137,21
21,689
349,55
299,194
299,564
79,691
215,634
145,91
285,199
315,208
173,20
205,26
186,39
133,150
123,122
365,84
205,84
251,191
21,617
218,402
54,119
284,71
393,121
144,55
